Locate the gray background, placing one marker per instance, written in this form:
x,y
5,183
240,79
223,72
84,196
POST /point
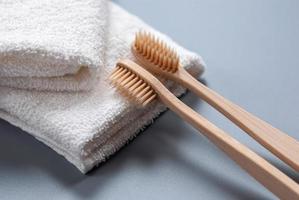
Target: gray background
x,y
252,51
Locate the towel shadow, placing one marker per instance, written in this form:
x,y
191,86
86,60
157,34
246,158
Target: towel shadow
x,y
19,152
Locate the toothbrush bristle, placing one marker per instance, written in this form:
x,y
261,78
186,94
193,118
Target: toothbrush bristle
x,y
132,86
156,52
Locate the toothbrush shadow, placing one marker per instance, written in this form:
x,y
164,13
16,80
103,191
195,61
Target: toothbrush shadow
x,y
205,174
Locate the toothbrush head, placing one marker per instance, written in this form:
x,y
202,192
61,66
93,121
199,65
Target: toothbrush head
x,y
131,84
154,54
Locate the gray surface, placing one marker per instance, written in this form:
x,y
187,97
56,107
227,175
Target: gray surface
x,y
252,52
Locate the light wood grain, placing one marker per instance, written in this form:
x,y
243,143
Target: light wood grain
x,y
157,57
272,178
276,141
279,143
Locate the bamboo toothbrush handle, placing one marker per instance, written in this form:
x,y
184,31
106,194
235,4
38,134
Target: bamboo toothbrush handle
x,y
269,176
282,145
273,179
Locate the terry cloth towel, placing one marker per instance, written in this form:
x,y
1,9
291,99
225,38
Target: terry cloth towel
x,y
52,44
87,127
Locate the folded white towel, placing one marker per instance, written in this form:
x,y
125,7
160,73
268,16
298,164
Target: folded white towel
x,y
51,38
87,127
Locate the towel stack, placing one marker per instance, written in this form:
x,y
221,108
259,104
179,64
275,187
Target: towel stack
x,y
55,57
52,45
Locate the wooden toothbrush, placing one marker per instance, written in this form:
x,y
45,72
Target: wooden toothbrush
x,y
142,87
158,58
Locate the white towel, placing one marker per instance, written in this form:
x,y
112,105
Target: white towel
x,y
42,41
87,127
